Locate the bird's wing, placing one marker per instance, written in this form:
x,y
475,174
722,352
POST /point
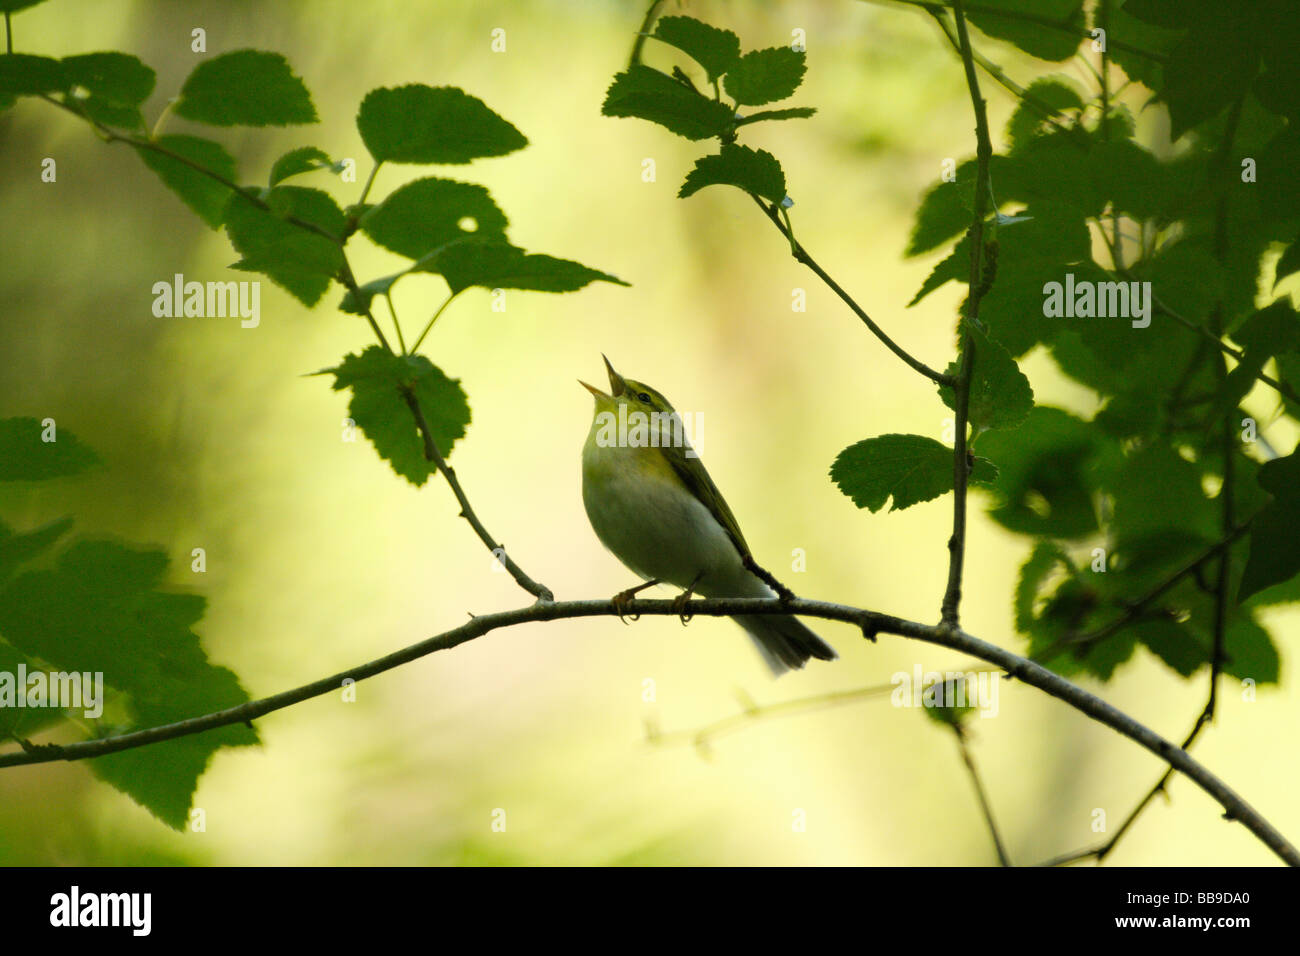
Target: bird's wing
x,y
691,470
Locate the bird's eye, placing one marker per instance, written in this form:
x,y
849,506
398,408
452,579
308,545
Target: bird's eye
x,y
645,397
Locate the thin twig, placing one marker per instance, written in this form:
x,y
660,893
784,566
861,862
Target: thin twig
x,y
969,320
801,254
540,591
985,807
1235,807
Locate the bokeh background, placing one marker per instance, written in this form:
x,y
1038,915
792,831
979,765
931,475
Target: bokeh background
x,y
319,557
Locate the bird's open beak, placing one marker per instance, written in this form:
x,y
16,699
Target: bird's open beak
x,y
616,383
593,389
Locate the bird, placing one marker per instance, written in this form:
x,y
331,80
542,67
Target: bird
x,y
653,505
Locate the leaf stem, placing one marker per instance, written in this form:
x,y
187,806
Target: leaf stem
x,y
429,326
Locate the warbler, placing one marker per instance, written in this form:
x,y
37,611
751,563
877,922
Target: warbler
x,y
651,502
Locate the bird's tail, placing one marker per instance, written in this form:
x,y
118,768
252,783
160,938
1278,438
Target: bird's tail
x,y
784,641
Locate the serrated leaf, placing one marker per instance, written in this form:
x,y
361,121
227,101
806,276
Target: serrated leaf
x,y
755,171
1047,29
375,378
304,159
764,76
1129,177
714,49
24,456
17,548
648,94
301,261
1045,557
1000,394
794,112
1044,485
1289,262
101,609
495,265
22,74
1174,643
117,78
1250,651
1274,556
246,88
423,215
1056,93
1212,65
908,468
202,193
425,124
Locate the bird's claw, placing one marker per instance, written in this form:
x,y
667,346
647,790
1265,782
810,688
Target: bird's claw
x,y
679,606
623,598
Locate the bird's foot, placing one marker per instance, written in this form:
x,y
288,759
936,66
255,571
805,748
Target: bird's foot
x,y
623,598
680,602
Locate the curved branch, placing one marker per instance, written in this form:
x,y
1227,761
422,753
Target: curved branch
x,y
871,623
801,255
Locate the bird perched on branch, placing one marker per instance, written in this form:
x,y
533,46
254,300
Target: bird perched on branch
x,y
654,506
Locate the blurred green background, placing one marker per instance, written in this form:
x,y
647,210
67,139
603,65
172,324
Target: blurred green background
x,y
320,558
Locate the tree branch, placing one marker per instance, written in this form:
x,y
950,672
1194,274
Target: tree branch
x,y
871,622
801,255
969,319
431,453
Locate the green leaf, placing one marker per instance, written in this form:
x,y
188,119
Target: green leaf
x,y
423,215
1043,485
648,94
1289,263
1142,46
956,266
1047,29
200,192
795,112
1129,177
11,6
495,265
299,260
376,377
25,456
115,77
910,468
1041,562
1174,643
360,305
1274,557
715,50
764,76
1156,489
1250,651
425,124
26,75
1000,395
246,88
100,609
304,159
15,548
1214,64
755,171
1057,93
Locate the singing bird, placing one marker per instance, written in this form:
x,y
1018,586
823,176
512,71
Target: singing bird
x,y
653,505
